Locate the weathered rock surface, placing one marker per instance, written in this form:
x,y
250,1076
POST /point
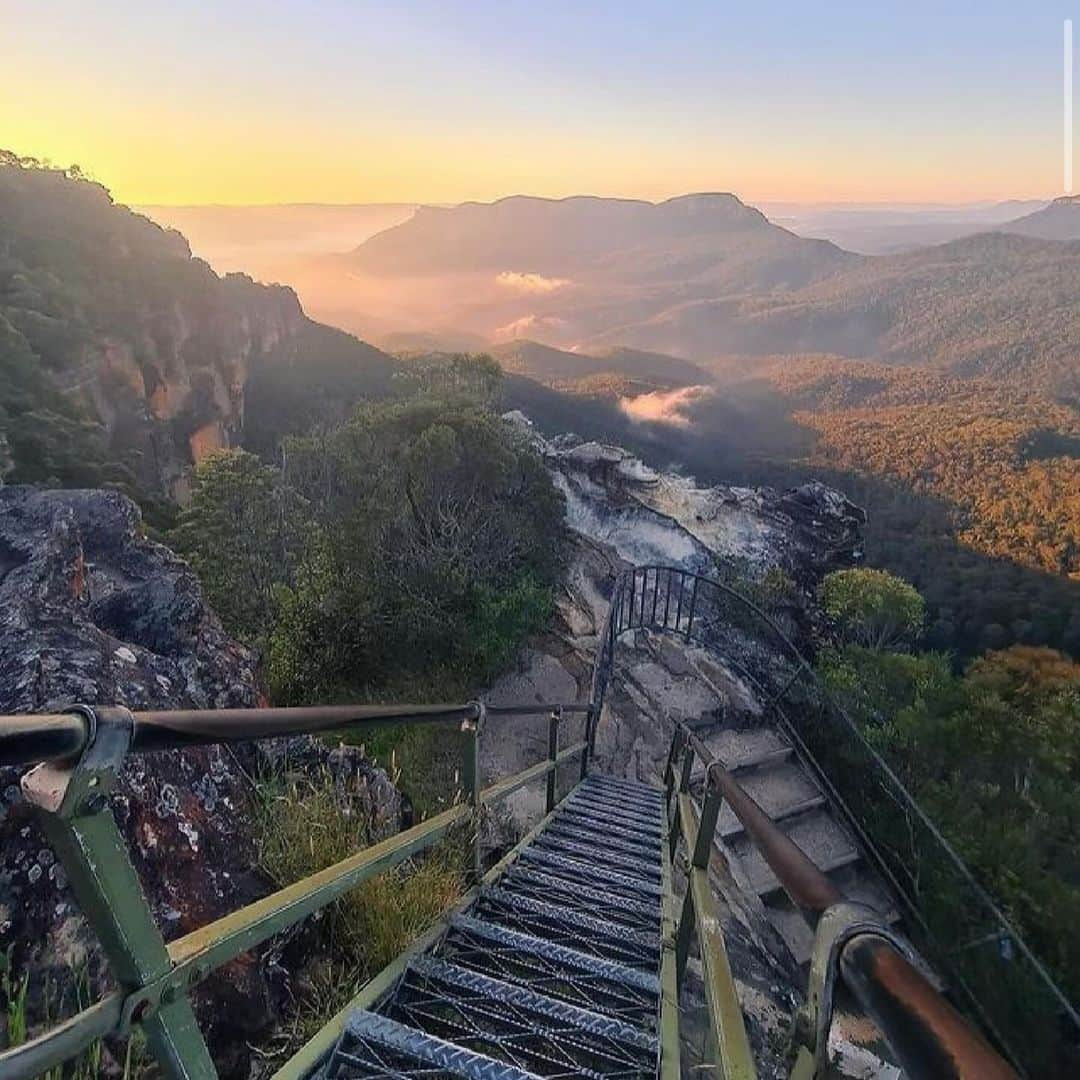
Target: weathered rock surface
x,y
92,612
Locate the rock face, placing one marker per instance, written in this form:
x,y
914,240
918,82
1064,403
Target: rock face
x,y
92,612
648,516
113,312
170,389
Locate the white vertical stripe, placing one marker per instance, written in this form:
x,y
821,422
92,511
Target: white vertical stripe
x,y
1068,73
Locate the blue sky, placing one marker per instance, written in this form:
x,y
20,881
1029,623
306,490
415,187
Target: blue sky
x,y
361,101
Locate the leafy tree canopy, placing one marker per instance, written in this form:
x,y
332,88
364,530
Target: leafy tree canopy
x,y
417,541
873,607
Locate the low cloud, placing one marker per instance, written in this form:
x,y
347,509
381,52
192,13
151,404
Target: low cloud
x,y
665,406
530,283
529,326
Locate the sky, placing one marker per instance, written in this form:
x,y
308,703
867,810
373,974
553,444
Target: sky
x,y
352,101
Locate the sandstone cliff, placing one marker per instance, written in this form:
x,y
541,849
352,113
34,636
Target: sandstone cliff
x,y
122,357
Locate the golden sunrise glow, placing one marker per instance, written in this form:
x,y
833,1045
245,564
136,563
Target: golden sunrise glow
x,y
165,108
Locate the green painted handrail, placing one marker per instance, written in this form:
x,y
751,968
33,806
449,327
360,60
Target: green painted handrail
x,y
156,980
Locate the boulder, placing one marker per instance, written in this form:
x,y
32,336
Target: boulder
x,y
92,611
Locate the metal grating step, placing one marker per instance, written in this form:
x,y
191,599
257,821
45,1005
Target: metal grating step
x,y
596,855
620,910
575,832
374,1045
570,928
619,884
626,790
637,829
585,811
553,971
565,974
540,1035
635,798
617,812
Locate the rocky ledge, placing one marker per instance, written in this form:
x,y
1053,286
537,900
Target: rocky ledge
x,y
93,612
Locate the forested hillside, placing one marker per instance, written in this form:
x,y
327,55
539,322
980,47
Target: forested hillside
x,y
124,360
995,305
973,488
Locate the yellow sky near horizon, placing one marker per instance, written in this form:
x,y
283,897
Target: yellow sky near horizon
x,y
366,103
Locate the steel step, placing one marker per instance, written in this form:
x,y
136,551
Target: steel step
x,y
628,789
599,822
573,929
374,1045
600,856
647,820
621,910
648,802
586,835
619,884
515,1025
553,970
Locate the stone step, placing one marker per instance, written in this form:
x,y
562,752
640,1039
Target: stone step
x,y
781,790
817,833
749,747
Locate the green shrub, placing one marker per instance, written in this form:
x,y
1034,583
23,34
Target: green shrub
x,y
873,607
306,825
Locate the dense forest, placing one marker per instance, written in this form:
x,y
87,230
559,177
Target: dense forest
x,y
992,754
411,546
972,487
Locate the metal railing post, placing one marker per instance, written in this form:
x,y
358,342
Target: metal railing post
x,y
589,721
693,604
553,757
699,860
470,783
78,821
710,813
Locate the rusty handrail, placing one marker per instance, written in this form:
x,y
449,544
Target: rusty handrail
x,y
29,739
26,740
929,1037
803,881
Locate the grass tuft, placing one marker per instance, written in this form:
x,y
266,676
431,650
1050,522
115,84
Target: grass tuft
x,y
306,825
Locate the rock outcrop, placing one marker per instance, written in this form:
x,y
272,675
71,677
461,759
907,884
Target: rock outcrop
x,y
170,388
105,316
92,612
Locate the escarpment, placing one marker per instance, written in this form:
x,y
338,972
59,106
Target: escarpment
x,y
123,359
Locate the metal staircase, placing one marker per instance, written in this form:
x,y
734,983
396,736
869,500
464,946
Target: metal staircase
x,y
552,971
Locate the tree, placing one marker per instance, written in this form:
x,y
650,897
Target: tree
x,y
873,607
241,532
415,544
